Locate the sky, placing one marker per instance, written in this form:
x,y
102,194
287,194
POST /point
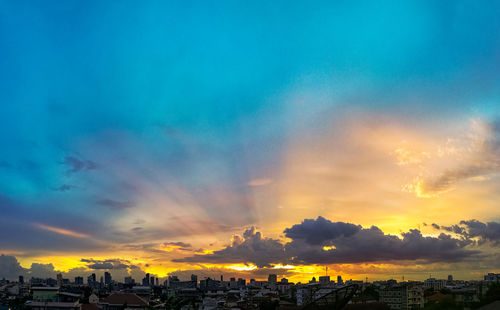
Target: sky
x,y
248,138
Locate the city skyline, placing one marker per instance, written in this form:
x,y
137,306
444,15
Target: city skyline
x,y
248,139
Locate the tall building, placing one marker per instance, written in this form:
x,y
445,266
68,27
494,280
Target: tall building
x,y
91,280
21,279
450,278
59,279
152,281
79,280
272,278
129,280
107,278
145,281
194,278
339,280
324,280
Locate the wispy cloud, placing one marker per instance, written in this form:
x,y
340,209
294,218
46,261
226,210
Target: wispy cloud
x,y
260,182
75,164
471,156
63,231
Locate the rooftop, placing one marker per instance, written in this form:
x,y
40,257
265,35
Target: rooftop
x,y
124,298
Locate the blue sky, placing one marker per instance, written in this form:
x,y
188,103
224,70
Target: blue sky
x,y
113,113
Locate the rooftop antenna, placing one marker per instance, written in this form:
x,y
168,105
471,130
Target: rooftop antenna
x,y
326,270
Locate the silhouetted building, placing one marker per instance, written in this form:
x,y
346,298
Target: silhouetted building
x,y
59,279
79,280
324,280
145,281
107,278
91,280
21,279
272,278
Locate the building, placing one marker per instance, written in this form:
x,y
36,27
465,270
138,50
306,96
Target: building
x,y
91,280
129,280
403,296
59,279
324,280
145,281
492,277
107,278
194,278
21,279
79,280
339,280
435,284
272,278
123,301
52,305
45,294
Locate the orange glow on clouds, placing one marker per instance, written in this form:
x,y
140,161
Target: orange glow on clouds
x,y
63,231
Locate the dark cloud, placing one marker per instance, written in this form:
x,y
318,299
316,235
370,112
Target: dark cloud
x,y
436,226
10,267
475,230
179,244
115,204
75,164
106,264
321,241
489,231
373,245
252,248
320,230
64,188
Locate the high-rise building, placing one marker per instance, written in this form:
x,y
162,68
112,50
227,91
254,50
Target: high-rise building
x,y
59,279
324,280
152,281
21,279
450,278
272,278
194,278
339,280
107,278
145,281
241,282
129,280
79,280
91,280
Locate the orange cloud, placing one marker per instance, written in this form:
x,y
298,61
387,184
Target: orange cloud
x,y
63,231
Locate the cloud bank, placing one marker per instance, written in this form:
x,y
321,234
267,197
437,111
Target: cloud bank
x,y
321,241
